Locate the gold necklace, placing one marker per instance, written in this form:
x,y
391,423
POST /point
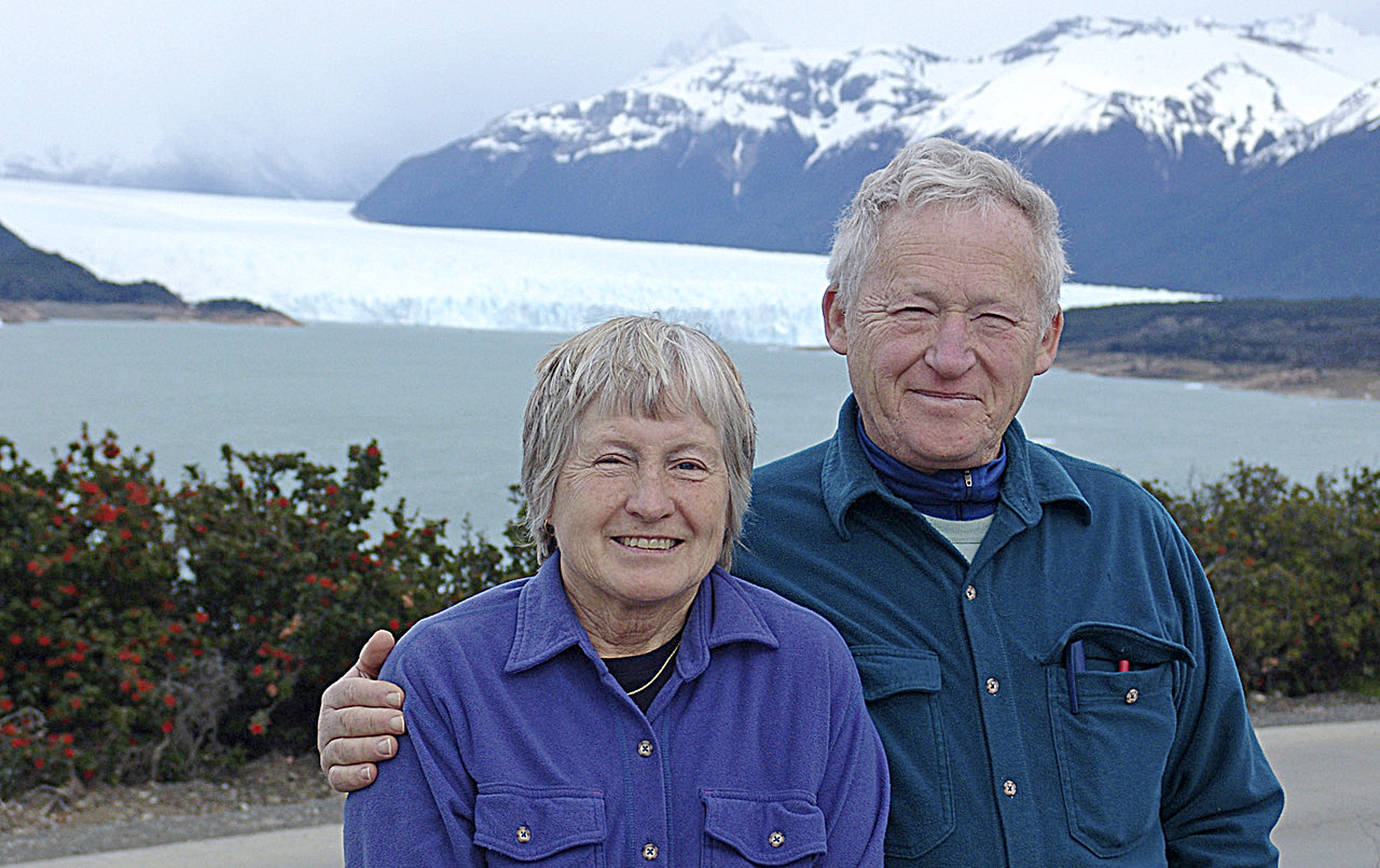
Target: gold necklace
x,y
667,662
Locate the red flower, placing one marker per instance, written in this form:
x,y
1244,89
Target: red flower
x,y
75,702
36,603
66,738
256,728
91,488
372,451
169,700
39,763
201,617
105,513
175,627
45,641
16,639
167,726
112,451
394,624
69,590
68,752
138,494
256,671
6,704
331,489
126,533
35,567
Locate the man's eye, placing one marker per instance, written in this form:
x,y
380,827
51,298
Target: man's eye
x,y
689,466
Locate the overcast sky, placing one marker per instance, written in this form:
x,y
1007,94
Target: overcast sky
x,y
368,81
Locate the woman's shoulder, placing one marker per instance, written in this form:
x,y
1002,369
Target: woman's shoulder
x,y
474,624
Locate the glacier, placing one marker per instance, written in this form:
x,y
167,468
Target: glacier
x,y
315,262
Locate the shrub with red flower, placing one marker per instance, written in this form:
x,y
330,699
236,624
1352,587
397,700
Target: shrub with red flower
x,y
162,634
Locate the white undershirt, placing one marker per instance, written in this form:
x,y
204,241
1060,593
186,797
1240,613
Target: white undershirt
x,y
966,536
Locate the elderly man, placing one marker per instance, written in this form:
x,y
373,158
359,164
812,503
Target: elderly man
x,y
1038,645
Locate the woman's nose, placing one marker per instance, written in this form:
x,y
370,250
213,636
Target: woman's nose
x,y
649,499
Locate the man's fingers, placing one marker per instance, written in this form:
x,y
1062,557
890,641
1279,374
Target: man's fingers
x,y
352,692
347,779
374,652
357,751
356,720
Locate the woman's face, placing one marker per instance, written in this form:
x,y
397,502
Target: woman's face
x,y
639,511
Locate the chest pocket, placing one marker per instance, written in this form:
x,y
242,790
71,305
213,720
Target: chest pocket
x,y
558,827
1112,752
761,829
902,692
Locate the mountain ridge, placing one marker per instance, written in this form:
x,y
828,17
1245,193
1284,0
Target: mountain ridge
x,y
1135,127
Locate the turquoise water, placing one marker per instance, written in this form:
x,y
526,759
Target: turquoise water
x,y
446,404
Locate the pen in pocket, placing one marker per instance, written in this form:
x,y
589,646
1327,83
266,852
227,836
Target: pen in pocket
x,y
1074,662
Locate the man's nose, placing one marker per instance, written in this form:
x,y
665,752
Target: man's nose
x,y
650,499
950,354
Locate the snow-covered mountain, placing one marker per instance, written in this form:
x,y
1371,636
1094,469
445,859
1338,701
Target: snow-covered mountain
x,y
1234,159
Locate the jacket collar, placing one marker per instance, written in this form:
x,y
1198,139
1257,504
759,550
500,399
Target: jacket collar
x,y
1032,479
547,625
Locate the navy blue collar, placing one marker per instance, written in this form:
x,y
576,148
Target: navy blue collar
x,y
958,495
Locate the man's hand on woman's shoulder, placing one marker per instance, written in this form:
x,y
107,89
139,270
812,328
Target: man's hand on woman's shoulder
x,y
360,719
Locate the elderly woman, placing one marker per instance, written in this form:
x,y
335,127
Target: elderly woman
x,y
632,702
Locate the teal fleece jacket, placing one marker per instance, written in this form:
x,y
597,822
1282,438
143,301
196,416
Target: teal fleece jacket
x,y
1002,751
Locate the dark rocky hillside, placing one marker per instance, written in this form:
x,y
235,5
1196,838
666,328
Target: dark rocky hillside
x,y
37,285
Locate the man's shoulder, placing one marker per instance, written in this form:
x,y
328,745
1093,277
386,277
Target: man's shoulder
x,y
796,628
1099,484
778,611
796,466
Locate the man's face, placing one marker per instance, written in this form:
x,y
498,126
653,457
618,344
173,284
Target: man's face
x,y
945,334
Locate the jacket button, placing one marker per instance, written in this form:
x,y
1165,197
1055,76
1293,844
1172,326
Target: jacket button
x,y
993,686
644,748
776,839
1132,695
524,835
1009,787
649,852
970,592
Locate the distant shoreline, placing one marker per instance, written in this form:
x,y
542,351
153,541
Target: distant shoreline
x,y
1352,383
18,312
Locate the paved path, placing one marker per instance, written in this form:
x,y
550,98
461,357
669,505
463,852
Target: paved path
x,y
1331,817
1330,773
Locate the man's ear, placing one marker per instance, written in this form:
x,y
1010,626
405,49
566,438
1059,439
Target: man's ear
x,y
835,321
1049,344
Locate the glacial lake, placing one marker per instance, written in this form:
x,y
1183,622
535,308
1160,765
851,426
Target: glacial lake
x,y
445,405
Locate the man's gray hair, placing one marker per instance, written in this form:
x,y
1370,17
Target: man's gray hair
x,y
939,170
639,366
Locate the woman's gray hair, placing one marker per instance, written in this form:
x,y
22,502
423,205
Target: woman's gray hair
x,y
639,366
939,170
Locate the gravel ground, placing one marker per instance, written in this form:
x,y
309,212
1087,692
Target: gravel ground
x,y
289,792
